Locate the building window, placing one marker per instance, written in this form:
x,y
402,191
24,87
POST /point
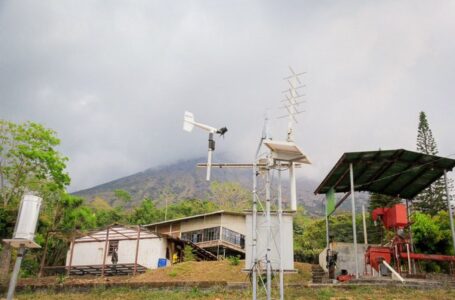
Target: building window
x,y
211,234
203,235
233,237
112,245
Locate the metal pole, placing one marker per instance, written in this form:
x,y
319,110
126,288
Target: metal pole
x,y
293,186
17,267
408,210
280,220
326,226
269,233
365,237
106,245
254,233
209,158
450,210
254,258
354,231
137,249
409,258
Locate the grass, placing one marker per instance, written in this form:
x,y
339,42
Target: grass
x,y
367,293
186,271
216,271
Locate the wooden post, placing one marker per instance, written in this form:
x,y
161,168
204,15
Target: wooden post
x,y
106,245
137,248
72,244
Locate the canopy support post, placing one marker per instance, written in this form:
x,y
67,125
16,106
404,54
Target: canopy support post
x,y
354,231
408,210
450,209
365,236
327,226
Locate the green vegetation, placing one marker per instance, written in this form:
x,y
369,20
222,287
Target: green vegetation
x,y
219,293
234,260
229,195
434,198
310,233
188,254
122,196
29,161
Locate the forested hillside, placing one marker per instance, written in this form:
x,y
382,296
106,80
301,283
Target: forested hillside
x,y
183,180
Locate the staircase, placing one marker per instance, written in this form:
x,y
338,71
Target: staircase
x,y
318,274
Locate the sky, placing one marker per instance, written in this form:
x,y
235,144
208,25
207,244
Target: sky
x,y
113,78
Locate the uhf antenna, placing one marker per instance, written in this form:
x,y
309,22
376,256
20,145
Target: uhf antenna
x,y
292,100
188,125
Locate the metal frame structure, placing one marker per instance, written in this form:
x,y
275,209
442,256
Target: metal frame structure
x,y
399,173
120,232
280,153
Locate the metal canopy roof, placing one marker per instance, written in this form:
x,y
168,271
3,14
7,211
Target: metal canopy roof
x,y
398,172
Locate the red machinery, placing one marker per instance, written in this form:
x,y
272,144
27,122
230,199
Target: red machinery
x,y
396,218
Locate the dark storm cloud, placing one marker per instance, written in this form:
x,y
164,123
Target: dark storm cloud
x,y
113,78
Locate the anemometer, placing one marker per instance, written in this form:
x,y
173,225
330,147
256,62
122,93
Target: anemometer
x,y
188,125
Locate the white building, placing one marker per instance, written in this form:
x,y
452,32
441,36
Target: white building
x,y
221,232
137,249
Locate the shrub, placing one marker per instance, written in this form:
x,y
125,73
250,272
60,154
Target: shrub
x,y
188,254
234,260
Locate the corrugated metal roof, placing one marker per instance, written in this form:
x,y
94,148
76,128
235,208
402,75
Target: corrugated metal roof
x,y
399,172
196,216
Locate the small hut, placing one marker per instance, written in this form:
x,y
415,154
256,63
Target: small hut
x,y
117,250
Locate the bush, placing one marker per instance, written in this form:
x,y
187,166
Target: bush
x,y
234,260
188,254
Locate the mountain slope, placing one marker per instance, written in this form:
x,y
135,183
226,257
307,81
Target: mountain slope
x,y
183,180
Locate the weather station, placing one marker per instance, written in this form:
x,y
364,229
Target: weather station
x,y
189,123
270,245
24,235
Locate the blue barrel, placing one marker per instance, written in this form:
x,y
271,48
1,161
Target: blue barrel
x,y
162,262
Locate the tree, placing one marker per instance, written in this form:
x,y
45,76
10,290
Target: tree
x,y
123,196
229,195
434,198
28,161
62,216
190,207
432,235
146,213
105,214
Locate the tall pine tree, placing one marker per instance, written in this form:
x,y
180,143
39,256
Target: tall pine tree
x,y
432,199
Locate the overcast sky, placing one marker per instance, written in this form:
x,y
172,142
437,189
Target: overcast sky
x,y
114,78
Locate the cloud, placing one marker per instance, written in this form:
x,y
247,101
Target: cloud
x,y
114,78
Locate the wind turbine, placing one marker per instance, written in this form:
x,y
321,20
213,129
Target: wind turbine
x,y
188,125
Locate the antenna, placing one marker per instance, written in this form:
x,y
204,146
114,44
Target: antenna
x,y
189,124
291,102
